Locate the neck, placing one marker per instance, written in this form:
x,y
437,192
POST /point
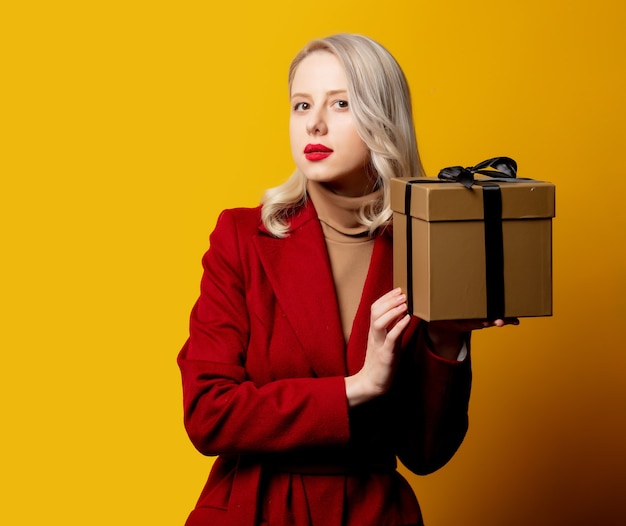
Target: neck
x,y
365,184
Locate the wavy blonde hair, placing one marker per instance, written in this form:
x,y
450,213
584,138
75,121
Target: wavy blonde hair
x,y
380,103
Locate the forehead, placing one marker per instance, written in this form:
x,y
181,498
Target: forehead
x,y
321,70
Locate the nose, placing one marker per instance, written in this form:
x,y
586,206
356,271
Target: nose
x,y
316,122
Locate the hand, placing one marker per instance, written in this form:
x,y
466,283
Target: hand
x,y
447,336
388,320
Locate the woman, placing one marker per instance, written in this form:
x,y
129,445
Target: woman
x,y
303,370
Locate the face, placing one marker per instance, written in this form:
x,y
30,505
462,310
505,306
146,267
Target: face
x,y
324,142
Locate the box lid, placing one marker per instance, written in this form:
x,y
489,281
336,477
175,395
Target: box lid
x,y
435,200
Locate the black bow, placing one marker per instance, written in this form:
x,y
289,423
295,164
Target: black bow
x,y
503,167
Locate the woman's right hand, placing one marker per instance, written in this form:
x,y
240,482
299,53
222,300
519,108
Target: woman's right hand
x,y
388,320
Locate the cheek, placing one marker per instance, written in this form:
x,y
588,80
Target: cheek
x,y
291,130
352,137
358,147
293,136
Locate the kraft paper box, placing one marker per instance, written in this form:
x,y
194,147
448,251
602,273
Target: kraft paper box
x,y
454,262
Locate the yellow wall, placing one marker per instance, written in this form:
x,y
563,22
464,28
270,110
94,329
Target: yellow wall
x,y
126,128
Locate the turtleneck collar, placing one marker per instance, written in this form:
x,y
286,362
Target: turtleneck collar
x,y
340,212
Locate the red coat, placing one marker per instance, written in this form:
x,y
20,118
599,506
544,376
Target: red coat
x,y
263,387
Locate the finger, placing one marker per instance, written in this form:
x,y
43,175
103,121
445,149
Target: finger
x,y
387,303
396,331
393,296
500,322
388,318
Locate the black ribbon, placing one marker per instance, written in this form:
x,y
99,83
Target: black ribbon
x,y
503,169
494,250
409,241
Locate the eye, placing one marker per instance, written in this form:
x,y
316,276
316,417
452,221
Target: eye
x,y
341,104
301,106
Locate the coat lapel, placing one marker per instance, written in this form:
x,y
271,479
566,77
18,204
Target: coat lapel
x,y
298,270
379,281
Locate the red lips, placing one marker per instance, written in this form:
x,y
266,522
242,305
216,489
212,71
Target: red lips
x,y
316,152
313,148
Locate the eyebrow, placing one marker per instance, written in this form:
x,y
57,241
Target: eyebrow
x,y
328,93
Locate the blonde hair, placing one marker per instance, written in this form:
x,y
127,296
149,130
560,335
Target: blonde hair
x,y
380,103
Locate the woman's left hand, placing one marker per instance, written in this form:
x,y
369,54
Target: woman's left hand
x,y
447,336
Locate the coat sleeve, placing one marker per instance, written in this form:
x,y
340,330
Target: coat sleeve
x,y
225,412
432,396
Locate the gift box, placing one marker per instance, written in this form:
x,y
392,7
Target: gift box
x,y
473,250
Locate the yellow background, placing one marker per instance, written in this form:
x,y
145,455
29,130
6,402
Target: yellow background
x,y
127,126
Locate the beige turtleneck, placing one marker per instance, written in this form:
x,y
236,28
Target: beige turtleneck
x,y
348,243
